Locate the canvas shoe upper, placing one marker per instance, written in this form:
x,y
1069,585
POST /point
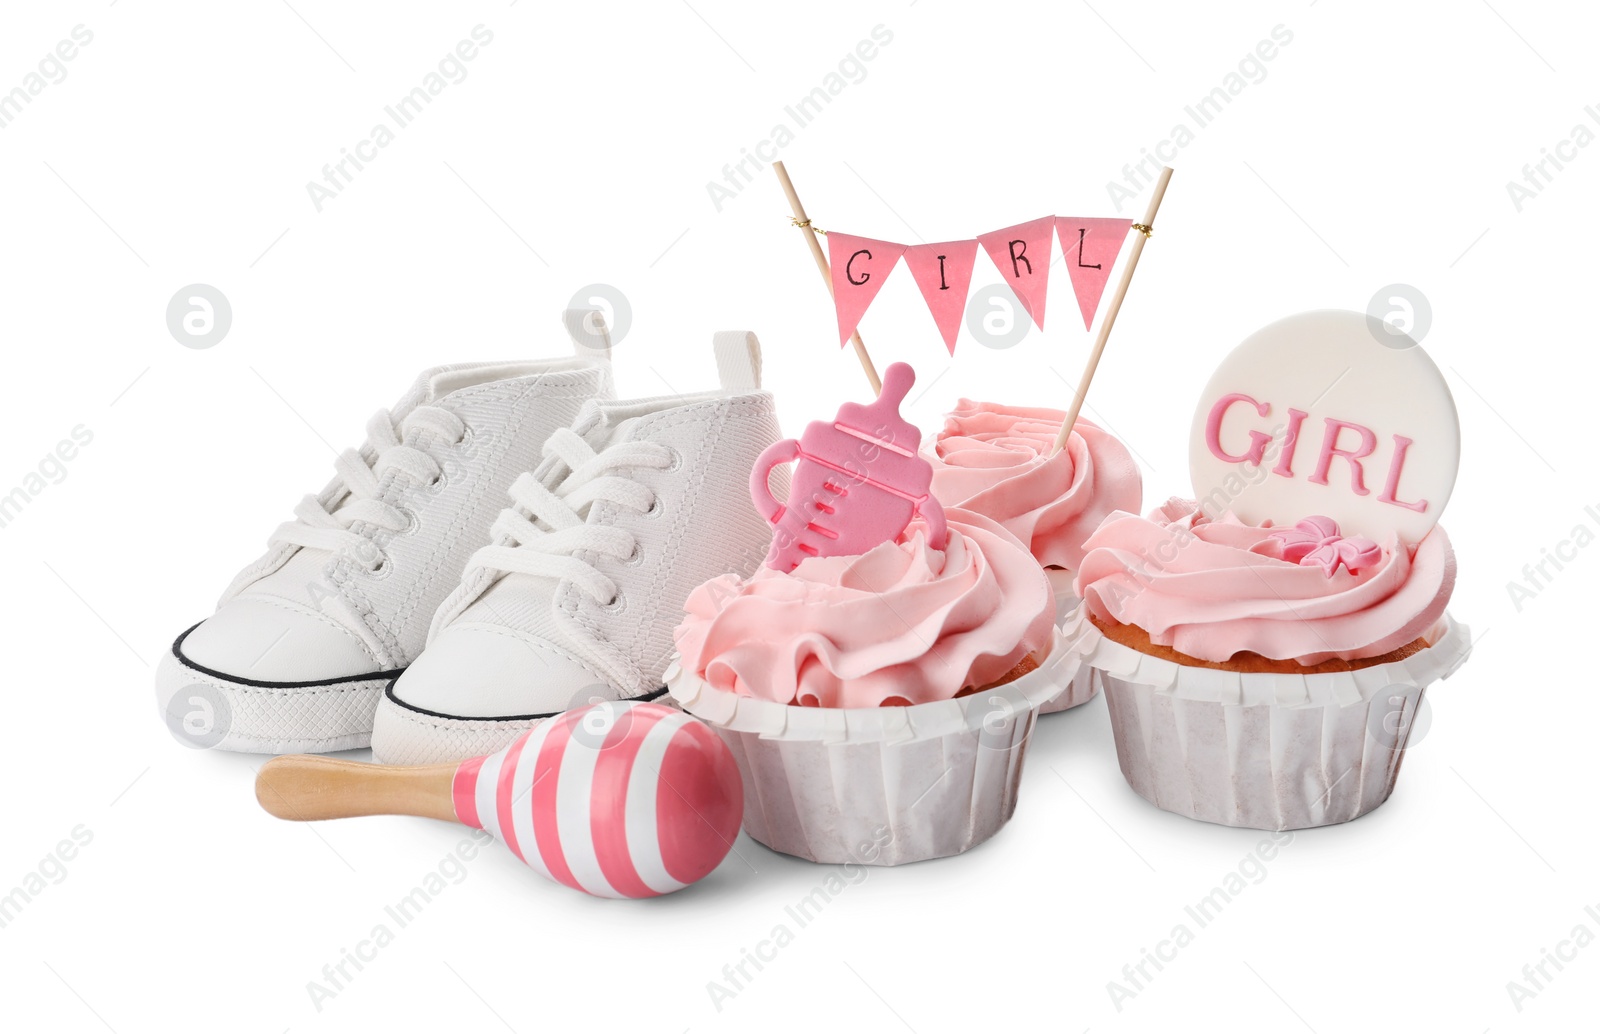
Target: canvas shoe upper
x,y
576,597
304,640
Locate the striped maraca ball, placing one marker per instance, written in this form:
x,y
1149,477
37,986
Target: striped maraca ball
x,y
620,800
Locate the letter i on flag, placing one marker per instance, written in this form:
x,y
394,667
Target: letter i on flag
x,y
944,272
1091,247
858,267
1022,254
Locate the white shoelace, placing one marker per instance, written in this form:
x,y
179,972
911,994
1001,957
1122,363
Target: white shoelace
x,y
316,527
541,534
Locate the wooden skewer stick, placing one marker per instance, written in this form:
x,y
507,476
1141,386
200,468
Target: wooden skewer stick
x,y
827,275
1149,221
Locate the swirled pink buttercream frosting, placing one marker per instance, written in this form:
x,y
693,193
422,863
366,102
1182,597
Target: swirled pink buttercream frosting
x,y
995,460
1213,588
899,624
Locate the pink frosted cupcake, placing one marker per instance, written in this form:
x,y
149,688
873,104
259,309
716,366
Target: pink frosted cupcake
x,y
996,460
1263,676
879,705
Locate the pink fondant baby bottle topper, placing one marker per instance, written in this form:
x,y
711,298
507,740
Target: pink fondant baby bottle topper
x,y
858,481
1336,436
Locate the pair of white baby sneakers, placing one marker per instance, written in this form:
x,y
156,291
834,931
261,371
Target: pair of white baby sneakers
x,y
409,607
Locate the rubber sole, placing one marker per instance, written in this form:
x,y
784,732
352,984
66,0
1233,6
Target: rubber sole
x,y
404,735
206,709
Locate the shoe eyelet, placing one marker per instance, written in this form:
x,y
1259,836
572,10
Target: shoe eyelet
x,y
655,508
381,570
633,559
436,486
618,602
412,522
677,460
465,441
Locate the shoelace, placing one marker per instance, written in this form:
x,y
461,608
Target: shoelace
x,y
316,527
541,534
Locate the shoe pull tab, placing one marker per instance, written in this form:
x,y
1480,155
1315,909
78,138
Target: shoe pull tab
x,y
738,359
591,339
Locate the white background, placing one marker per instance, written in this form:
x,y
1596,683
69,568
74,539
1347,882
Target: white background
x,y
1376,150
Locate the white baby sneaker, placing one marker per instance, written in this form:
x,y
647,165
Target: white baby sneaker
x,y
576,598
304,641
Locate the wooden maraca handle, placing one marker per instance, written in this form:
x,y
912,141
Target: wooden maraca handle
x,y
305,786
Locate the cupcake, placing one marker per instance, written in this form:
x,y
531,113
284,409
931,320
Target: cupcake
x,y
1257,675
997,460
879,705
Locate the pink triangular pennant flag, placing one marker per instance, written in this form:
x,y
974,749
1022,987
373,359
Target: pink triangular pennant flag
x,y
1022,254
944,272
1091,247
859,266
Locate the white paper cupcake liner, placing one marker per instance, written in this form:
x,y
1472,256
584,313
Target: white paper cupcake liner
x,y
879,785
1061,588
1085,683
1263,750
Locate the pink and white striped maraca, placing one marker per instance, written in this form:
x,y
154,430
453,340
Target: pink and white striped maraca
x,y
617,799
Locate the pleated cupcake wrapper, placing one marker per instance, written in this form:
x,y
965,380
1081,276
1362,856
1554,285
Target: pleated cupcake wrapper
x,y
879,785
1080,689
1264,750
1085,683
1061,588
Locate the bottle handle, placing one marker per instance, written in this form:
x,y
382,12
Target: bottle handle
x,y
786,451
938,531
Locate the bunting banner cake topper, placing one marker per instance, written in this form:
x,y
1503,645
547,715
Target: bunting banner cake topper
x,y
856,268
859,267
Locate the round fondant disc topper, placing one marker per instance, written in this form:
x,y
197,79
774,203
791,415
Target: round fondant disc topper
x,y
1315,415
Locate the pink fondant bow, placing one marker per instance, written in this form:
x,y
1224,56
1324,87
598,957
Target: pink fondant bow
x,y
1316,541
